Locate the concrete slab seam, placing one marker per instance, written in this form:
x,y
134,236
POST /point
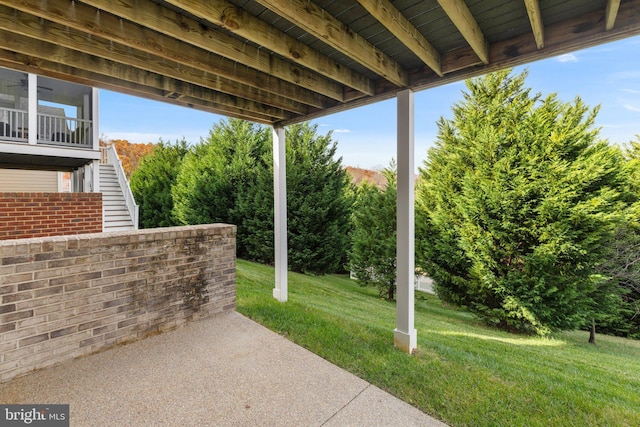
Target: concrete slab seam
x,y
345,405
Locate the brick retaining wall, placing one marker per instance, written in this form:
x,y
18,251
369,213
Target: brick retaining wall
x,y
26,215
69,296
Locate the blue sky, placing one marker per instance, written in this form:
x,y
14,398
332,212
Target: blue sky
x,y
606,75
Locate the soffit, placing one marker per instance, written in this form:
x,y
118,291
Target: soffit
x,y
279,62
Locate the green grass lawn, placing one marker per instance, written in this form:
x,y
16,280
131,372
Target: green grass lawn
x,y
463,372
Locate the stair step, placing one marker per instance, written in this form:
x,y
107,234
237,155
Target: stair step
x,y
118,218
106,229
118,224
115,212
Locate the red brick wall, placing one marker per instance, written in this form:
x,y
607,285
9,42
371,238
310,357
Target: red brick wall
x,y
25,215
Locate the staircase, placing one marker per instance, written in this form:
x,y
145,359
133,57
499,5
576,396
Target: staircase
x,y
115,214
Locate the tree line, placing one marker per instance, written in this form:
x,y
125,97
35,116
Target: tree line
x,y
228,178
524,215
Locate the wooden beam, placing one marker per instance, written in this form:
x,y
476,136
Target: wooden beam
x,y
317,22
30,26
42,67
572,34
165,21
54,53
109,27
535,17
611,13
394,21
234,19
464,21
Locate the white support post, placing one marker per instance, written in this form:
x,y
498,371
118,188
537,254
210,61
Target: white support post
x,y
95,116
95,175
405,336
280,213
32,108
87,178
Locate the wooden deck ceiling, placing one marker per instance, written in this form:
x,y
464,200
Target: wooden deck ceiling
x,y
284,61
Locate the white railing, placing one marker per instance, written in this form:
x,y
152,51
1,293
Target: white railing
x,y
52,130
65,131
13,125
113,159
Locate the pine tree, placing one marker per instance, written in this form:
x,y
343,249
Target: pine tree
x,y
514,205
373,240
254,212
213,173
317,207
622,261
152,182
229,178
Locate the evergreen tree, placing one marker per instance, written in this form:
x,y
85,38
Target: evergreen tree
x,y
514,205
213,174
152,181
373,240
622,261
229,178
317,207
254,212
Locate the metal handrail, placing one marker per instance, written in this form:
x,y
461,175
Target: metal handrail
x,y
112,158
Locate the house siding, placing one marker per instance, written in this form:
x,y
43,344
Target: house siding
x,y
17,180
27,215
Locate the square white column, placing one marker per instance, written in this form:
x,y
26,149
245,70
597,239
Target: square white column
x,y
405,336
95,176
32,102
95,118
280,213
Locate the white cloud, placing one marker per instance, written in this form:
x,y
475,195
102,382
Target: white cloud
x,y
632,108
625,75
634,91
567,57
342,130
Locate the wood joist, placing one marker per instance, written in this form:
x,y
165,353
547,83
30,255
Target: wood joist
x,y
239,59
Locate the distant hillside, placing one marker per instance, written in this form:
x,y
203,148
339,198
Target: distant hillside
x,y
129,153
357,175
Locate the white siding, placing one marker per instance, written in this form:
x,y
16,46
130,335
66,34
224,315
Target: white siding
x,y
12,180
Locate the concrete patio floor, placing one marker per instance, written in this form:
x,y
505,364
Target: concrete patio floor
x,y
223,371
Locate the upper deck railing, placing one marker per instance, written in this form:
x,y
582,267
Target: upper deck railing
x,y
13,125
52,130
